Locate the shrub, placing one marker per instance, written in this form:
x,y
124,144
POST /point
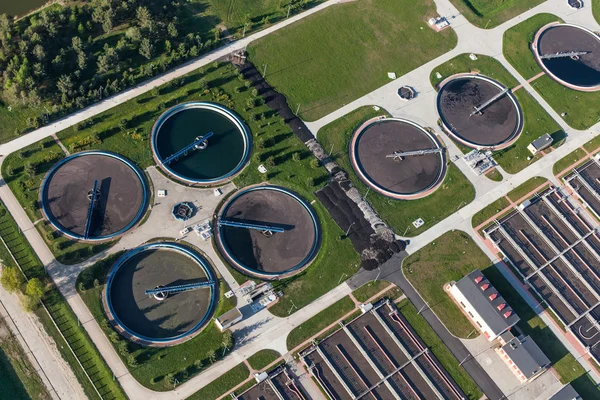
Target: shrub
x,y
255,92
270,161
11,279
132,360
114,337
296,156
315,163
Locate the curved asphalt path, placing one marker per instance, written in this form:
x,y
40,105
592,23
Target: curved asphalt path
x,y
392,271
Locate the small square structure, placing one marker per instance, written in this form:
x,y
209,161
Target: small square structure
x,y
523,356
540,144
228,319
162,193
566,393
485,307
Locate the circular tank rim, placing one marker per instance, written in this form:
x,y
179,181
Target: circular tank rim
x,y
206,106
516,133
151,246
537,55
353,149
226,252
44,187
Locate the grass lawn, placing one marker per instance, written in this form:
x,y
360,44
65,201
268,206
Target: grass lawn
x,y
336,258
358,44
437,347
314,325
488,211
222,384
526,187
596,10
153,364
260,360
536,120
494,175
568,160
84,350
592,145
578,106
370,289
490,13
18,378
563,362
455,192
449,258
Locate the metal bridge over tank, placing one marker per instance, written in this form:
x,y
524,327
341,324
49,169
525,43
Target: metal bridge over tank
x,y
479,109
571,54
179,288
200,143
399,155
93,196
247,225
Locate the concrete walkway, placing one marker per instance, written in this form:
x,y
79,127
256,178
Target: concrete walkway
x,y
263,330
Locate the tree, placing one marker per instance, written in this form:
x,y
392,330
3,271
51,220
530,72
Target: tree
x,y
227,340
211,356
39,53
30,170
81,60
65,84
123,123
34,292
144,17
133,34
172,30
11,279
146,48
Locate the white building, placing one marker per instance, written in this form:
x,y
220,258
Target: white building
x,y
523,356
483,305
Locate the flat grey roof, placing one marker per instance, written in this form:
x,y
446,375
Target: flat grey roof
x,y
541,141
486,302
526,355
229,316
566,393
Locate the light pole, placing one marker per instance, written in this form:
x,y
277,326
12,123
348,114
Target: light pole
x,y
348,231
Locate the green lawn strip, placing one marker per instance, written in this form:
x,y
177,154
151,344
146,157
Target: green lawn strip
x,y
573,105
370,289
455,192
596,10
67,322
314,325
437,347
244,387
488,14
488,211
531,324
494,175
568,160
18,378
516,44
448,258
372,38
260,360
154,364
536,123
222,384
593,144
526,187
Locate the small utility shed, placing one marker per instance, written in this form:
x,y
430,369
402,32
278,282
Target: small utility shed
x,y
523,356
566,393
228,319
540,144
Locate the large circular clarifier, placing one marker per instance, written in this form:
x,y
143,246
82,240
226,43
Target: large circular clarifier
x,y
163,318
119,200
479,112
179,150
397,158
570,54
263,252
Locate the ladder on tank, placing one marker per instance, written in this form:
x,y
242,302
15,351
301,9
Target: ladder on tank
x,y
165,290
480,108
571,54
199,143
88,223
266,229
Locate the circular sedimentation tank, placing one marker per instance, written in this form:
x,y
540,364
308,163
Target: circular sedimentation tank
x,y
558,50
411,176
160,319
120,199
479,112
211,162
266,254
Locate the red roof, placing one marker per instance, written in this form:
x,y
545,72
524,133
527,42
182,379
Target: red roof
x,y
478,279
501,306
507,314
493,296
485,286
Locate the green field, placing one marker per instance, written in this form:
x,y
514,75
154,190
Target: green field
x,y
568,160
371,38
491,13
526,187
494,175
322,320
596,10
18,379
155,364
260,360
370,289
455,192
488,211
580,108
537,122
222,384
448,258
67,323
437,347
